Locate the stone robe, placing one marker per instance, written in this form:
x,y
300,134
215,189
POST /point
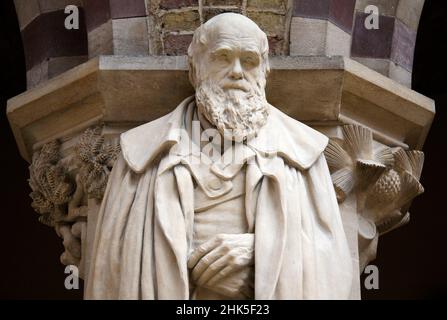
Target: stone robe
x,y
144,226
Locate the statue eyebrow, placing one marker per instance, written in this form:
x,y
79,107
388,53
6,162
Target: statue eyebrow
x,y
221,48
227,48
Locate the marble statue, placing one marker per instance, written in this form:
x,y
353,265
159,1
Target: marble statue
x,y
247,211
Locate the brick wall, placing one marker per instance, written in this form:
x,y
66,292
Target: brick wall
x,y
174,21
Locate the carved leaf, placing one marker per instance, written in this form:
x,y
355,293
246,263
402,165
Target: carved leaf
x,y
49,182
343,181
95,158
337,158
410,161
356,155
358,142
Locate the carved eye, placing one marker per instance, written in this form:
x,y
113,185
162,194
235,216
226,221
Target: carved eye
x,y
250,60
223,55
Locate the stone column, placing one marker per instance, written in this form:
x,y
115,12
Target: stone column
x,y
50,49
389,49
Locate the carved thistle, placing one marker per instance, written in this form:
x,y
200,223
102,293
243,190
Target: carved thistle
x,y
394,191
383,181
354,163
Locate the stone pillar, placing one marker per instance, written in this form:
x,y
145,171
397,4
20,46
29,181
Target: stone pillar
x,y
50,49
117,27
389,49
321,27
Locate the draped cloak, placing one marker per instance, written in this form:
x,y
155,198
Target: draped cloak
x,y
144,225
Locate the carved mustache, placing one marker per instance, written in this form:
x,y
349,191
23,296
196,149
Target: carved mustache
x,y
238,85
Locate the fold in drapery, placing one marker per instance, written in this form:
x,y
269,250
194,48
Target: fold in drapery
x,y
144,229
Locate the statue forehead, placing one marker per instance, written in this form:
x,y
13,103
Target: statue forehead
x,y
236,29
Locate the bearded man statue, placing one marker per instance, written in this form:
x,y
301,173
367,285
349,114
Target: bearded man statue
x,y
226,197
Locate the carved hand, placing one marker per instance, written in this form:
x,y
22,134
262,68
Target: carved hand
x,y
225,264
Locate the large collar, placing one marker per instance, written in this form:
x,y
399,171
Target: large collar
x,y
297,143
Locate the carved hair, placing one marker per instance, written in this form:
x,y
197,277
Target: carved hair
x,y
200,40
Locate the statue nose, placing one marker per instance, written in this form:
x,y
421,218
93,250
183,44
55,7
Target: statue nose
x,y
236,71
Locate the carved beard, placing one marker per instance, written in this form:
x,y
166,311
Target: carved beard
x,y
237,114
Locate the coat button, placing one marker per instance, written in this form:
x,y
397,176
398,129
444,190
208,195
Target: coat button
x,y
215,184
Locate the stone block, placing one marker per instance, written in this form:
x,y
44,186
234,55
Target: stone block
x,y
338,42
386,7
381,66
409,12
53,5
307,37
318,9
100,40
400,75
181,21
374,43
341,13
130,36
276,45
59,65
46,37
27,11
280,5
97,12
127,9
176,4
222,2
404,42
177,44
37,74
271,23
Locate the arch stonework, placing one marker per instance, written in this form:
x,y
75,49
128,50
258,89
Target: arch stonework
x,y
165,27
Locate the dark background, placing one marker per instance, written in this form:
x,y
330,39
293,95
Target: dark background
x,y
412,260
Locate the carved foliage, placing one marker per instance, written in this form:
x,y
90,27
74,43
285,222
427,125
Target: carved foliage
x,y
50,184
395,190
60,198
95,158
353,161
386,179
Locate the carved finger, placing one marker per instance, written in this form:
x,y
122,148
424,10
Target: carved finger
x,y
222,274
213,269
201,251
204,263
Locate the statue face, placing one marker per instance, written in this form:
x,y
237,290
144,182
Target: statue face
x,y
234,61
230,89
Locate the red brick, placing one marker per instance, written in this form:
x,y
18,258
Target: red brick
x,y
175,4
210,3
276,45
177,45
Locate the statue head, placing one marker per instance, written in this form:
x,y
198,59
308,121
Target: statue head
x,y
228,59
